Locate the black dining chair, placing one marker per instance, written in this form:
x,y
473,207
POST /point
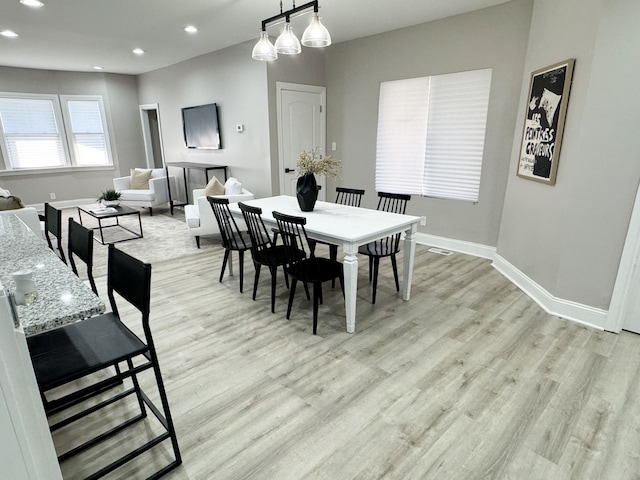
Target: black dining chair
x,y
388,246
53,225
344,196
90,348
80,244
305,266
263,249
232,238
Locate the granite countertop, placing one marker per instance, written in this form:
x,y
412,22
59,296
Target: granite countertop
x,y
62,297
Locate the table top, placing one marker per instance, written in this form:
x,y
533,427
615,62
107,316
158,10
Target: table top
x,y
62,297
202,166
332,221
97,210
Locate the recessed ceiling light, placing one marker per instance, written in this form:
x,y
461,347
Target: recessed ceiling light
x,y
8,33
32,3
190,29
138,51
98,67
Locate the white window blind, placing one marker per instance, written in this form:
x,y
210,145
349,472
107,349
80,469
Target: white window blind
x,y
31,132
431,135
86,132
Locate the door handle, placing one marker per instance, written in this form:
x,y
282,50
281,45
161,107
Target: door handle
x,y
287,170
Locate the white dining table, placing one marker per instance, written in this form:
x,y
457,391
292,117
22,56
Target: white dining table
x,y
349,227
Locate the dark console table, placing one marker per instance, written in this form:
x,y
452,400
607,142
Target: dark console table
x,y
206,167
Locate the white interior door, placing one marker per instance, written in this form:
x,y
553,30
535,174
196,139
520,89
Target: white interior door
x,y
624,309
301,126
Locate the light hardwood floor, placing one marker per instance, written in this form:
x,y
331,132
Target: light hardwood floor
x,y
468,380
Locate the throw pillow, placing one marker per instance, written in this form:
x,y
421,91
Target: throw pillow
x,y
10,203
214,187
140,179
232,187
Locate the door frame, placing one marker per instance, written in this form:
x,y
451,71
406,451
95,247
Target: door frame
x,y
628,273
146,133
280,86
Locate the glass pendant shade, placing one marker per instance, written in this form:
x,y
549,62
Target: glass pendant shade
x,y
264,49
287,43
316,34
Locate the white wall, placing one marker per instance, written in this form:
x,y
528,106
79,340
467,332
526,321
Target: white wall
x,y
568,238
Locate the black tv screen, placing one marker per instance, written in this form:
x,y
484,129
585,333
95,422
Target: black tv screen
x,y
200,126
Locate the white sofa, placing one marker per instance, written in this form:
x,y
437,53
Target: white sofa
x,y
29,216
200,218
157,194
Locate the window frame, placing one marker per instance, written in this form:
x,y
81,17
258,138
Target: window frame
x,y
63,121
66,115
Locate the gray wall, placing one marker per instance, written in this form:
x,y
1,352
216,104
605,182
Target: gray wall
x,y
491,38
120,99
568,238
238,84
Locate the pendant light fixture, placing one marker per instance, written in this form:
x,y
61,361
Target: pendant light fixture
x,y
316,35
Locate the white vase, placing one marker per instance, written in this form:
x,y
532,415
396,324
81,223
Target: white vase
x,y
110,203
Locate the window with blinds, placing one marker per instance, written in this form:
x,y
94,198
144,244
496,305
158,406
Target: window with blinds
x,y
431,135
86,131
51,131
31,128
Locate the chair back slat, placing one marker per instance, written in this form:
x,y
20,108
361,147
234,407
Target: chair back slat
x,y
349,196
261,240
80,244
231,237
393,203
298,247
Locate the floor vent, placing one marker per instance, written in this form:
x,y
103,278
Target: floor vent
x,y
440,251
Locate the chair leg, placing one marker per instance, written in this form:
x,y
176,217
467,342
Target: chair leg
x,y
198,241
317,295
292,292
333,255
136,386
224,263
274,271
241,267
62,257
394,265
376,265
370,268
256,278
150,211
92,283
167,413
306,290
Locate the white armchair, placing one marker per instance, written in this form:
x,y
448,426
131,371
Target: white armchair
x,y
157,194
200,218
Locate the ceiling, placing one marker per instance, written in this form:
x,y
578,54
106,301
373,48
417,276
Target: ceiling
x,y
77,35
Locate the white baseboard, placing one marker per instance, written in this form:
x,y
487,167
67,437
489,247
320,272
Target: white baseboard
x,y
64,203
576,312
469,248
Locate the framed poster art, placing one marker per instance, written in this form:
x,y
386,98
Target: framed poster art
x,y
544,123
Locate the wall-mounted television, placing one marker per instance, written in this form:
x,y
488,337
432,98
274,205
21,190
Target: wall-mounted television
x,y
200,127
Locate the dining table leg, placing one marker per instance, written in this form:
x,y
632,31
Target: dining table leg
x,y
350,269
408,254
